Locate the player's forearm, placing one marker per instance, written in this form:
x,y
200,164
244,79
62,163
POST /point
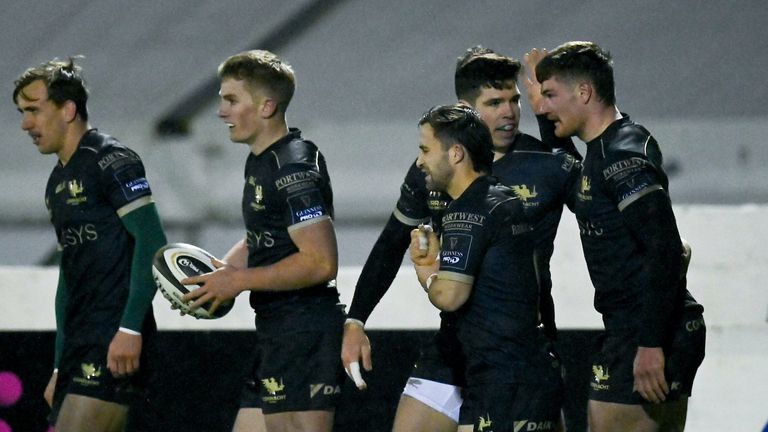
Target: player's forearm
x,y
448,295
380,268
548,137
237,256
147,231
294,272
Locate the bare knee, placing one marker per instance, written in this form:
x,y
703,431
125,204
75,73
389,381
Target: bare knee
x,y
79,413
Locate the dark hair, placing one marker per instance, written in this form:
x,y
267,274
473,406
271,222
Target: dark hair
x,y
460,124
262,70
63,81
482,67
581,60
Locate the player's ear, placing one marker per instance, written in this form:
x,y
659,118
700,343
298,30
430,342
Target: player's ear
x,y
585,91
69,111
456,153
268,107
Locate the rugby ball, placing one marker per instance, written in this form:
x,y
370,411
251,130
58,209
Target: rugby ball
x,y
176,261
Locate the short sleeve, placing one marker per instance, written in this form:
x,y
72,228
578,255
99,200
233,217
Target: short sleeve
x,y
123,177
300,187
629,176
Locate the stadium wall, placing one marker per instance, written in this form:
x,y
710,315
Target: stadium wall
x,y
201,361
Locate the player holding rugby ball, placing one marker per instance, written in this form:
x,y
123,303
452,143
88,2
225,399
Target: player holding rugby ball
x,y
288,258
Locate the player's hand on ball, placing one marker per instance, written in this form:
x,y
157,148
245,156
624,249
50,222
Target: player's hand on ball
x,y
425,246
217,287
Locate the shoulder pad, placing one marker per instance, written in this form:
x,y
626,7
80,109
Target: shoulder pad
x,y
297,151
634,138
97,141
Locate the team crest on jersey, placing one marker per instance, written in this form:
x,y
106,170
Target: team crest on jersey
x,y
525,194
584,190
273,388
76,190
258,195
484,424
90,374
600,376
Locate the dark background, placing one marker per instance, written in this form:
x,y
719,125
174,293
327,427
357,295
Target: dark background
x,y
199,381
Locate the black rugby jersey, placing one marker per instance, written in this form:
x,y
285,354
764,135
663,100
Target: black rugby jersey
x,y
85,199
621,165
487,242
417,204
543,180
286,187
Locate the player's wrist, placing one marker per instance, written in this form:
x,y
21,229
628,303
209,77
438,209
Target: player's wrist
x,y
129,331
354,321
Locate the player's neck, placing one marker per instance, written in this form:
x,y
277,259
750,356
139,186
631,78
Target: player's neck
x,y
272,133
461,180
598,121
72,138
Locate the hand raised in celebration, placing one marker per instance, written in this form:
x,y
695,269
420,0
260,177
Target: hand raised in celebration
x,y
531,59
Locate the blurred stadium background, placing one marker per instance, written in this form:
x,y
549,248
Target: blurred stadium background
x,y
692,72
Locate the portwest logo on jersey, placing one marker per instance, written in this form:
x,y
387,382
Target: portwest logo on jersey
x,y
584,193
76,191
75,236
324,389
273,387
524,193
623,168
293,179
600,377
90,374
123,157
258,195
258,240
530,426
462,221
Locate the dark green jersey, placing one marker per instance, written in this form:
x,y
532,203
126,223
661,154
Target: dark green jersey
x,y
86,198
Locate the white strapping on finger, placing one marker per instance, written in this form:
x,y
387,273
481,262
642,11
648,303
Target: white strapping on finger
x,y
354,373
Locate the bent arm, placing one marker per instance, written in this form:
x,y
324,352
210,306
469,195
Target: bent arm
x,y
316,261
448,294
